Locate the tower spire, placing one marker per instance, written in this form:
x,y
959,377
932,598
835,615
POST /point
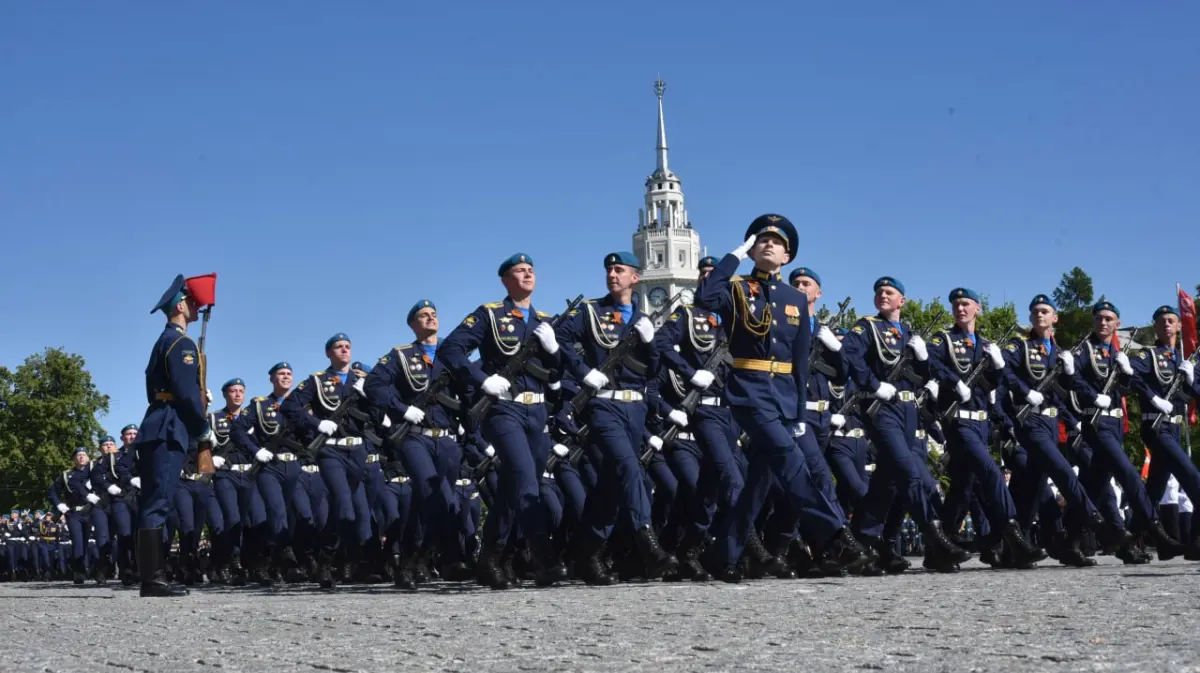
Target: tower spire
x,y
661,169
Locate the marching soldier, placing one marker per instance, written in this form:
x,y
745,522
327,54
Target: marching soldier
x,y
616,415
105,479
766,322
71,494
241,506
516,422
174,424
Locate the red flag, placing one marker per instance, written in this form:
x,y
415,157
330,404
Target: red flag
x,y
1187,320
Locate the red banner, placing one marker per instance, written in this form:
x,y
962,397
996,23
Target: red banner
x,y
1187,319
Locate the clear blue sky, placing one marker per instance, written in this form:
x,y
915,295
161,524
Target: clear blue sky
x,y
336,162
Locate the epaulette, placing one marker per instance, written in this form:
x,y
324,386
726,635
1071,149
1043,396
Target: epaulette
x,y
320,373
495,304
260,399
590,301
403,347
542,314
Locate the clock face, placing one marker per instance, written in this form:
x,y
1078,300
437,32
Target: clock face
x,y
658,297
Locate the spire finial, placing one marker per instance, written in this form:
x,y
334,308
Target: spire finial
x,y
661,169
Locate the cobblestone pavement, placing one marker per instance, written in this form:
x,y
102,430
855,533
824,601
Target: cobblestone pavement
x,y
1109,618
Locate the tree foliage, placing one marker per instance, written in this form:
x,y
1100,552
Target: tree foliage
x,y
48,407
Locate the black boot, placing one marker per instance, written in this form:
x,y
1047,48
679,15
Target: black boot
x,y
590,565
78,575
101,572
152,566
762,562
489,572
1110,535
326,577
1069,553
689,561
886,558
1022,551
549,569
1166,546
936,538
843,553
402,572
656,560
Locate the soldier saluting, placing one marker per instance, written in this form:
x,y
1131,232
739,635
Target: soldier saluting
x,y
174,424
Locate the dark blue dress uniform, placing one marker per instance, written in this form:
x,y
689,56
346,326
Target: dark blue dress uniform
x,y
767,324
241,506
1154,369
616,415
115,469
262,426
195,506
72,489
516,423
430,453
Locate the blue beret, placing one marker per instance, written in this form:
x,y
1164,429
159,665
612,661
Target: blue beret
x,y
232,382
131,426
803,271
623,258
77,452
360,366
1042,299
1105,306
706,262
519,258
778,225
1163,310
172,296
340,336
412,312
888,281
840,331
107,438
277,366
963,293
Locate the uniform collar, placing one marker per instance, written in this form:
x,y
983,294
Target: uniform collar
x,y
510,306
759,274
172,326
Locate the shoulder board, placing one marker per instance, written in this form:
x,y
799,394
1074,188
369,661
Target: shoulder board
x,y
320,373
1010,347
495,304
673,316
260,399
734,279
542,314
404,347
1142,354
590,301
871,318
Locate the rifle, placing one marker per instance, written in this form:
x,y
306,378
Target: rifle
x,y
204,291
1172,391
1109,382
515,365
347,407
1045,383
616,358
273,445
426,399
972,377
818,348
897,368
717,360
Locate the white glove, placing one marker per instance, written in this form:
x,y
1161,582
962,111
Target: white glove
x,y
218,463
1035,398
135,482
917,344
1123,363
208,395
1068,362
703,378
595,379
358,385
93,498
561,450
63,508
885,391
1162,405
545,334
932,387
207,438
327,427
838,421
1103,401
387,422
678,418
993,352
263,456
644,329
1189,371
825,335
656,443
799,429
489,451
495,385
113,489
964,393
743,250
414,415
1078,426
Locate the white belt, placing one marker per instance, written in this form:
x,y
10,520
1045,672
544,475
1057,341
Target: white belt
x,y
523,398
710,401
344,441
311,469
1052,412
547,475
971,415
194,477
398,480
621,395
905,396
855,433
16,539
1177,419
817,406
285,457
372,457
1115,413
64,542
463,482
686,436
245,467
920,434
436,432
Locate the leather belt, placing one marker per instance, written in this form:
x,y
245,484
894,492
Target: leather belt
x,y
1114,413
285,457
971,415
1177,419
436,432
855,433
372,457
345,441
311,469
821,405
242,467
621,395
163,396
710,401
762,365
523,398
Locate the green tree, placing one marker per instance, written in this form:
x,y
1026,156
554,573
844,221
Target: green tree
x,y
926,317
48,407
995,322
1074,298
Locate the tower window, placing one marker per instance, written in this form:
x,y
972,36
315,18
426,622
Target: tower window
x,y
659,258
660,185
682,258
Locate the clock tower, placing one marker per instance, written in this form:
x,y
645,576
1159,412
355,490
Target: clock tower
x,y
665,242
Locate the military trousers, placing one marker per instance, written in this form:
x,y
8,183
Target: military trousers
x,y
518,434
1037,458
972,463
276,484
433,464
620,496
159,463
900,467
1168,458
1108,460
